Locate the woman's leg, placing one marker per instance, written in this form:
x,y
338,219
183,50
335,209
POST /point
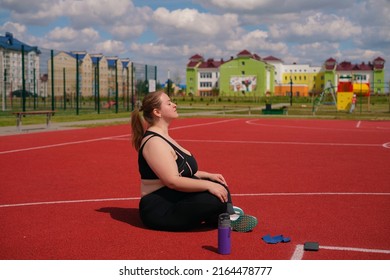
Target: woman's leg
x,y
167,209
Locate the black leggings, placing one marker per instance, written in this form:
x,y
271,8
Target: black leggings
x,y
170,210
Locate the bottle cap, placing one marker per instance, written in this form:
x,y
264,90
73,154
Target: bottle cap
x,y
224,220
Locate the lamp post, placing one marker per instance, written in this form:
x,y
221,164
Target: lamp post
x,y
169,83
291,91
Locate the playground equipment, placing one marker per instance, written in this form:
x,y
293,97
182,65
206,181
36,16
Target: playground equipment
x,y
347,87
328,90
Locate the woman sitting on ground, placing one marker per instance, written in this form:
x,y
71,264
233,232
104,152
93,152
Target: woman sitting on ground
x,y
175,195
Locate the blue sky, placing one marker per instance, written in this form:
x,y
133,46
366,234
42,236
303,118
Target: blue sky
x,y
167,33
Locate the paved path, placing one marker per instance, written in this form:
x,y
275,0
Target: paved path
x,y
12,130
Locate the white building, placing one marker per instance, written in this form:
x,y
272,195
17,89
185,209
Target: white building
x,y
11,65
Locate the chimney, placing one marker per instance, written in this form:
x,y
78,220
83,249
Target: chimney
x,y
10,37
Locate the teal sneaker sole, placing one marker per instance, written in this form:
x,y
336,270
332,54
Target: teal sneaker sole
x,y
238,210
244,223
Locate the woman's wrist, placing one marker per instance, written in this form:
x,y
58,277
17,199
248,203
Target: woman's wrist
x,y
201,175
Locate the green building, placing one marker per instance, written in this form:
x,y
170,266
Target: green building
x,y
244,75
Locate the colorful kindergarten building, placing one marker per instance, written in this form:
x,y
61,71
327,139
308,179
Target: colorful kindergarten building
x,y
248,74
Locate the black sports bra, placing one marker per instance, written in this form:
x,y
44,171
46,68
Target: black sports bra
x,y
186,164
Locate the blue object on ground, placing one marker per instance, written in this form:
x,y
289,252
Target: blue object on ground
x,y
276,239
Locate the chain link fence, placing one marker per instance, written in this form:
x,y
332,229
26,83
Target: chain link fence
x,y
35,78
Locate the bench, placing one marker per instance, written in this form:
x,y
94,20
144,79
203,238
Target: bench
x,y
280,111
20,115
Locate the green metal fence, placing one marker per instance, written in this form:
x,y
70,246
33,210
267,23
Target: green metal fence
x,y
72,81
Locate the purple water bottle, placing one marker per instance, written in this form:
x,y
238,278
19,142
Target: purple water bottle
x,y
224,230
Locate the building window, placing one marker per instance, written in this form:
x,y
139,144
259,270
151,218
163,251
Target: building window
x,y
205,84
206,75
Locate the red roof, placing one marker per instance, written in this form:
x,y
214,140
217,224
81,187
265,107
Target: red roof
x,y
348,66
244,53
330,63
192,64
271,58
257,57
379,63
210,63
364,66
196,57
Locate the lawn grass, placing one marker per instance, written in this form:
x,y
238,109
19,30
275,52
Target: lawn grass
x,y
377,108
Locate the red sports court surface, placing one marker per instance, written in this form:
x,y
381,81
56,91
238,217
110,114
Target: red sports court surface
x,y
74,194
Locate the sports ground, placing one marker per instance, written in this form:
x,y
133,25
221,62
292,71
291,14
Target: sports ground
x,y
73,194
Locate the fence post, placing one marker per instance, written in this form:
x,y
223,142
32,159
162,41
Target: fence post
x,y
132,86
52,79
77,84
116,86
23,83
5,90
64,88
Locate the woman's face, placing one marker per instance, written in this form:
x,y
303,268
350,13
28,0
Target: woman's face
x,y
168,108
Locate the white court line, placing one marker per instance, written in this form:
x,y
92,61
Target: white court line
x,y
386,145
358,125
68,201
203,124
281,143
103,138
299,250
298,253
61,144
308,194
189,140
136,198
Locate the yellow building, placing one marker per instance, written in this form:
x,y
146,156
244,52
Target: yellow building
x,y
64,70
97,74
100,84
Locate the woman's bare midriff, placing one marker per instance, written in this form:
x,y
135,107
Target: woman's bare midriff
x,y
149,186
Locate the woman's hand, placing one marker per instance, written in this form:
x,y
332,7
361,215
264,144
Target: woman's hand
x,y
217,178
219,191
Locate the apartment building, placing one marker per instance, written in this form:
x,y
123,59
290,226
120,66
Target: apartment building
x,y
96,73
11,65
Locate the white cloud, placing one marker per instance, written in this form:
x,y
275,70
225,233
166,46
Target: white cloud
x,y
97,12
110,48
70,35
276,7
35,12
189,25
257,41
17,29
302,31
69,39
318,27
